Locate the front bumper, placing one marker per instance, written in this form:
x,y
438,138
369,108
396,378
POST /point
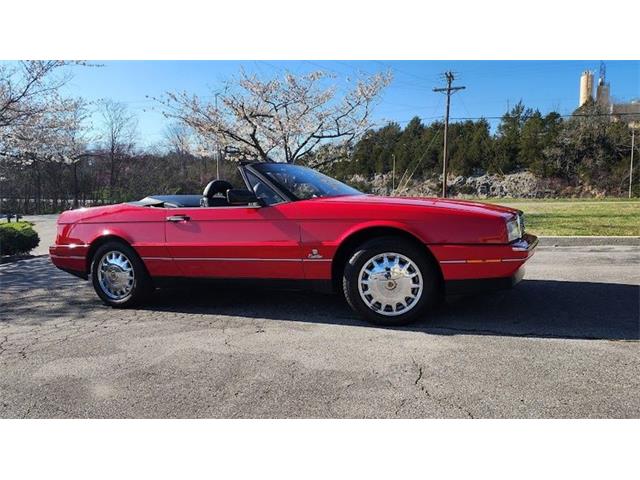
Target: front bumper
x,y
469,268
483,285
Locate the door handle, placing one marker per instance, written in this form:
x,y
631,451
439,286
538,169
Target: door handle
x,y
178,218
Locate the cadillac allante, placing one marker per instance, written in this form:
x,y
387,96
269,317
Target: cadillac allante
x,y
391,257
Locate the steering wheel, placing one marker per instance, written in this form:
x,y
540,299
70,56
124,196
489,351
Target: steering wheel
x,y
264,193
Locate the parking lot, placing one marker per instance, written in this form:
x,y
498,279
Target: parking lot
x,y
564,343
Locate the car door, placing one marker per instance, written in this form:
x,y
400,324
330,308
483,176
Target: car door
x,y
247,241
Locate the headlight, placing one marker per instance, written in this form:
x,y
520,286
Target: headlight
x,y
515,228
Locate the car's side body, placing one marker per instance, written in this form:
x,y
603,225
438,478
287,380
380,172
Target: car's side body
x,y
301,240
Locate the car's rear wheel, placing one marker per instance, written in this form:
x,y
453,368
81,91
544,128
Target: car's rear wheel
x,y
390,281
119,276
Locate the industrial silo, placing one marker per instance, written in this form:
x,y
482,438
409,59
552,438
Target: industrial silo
x,y
586,87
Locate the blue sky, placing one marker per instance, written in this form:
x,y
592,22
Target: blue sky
x,y
490,85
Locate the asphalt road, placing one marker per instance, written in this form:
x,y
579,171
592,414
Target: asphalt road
x,y
46,227
564,343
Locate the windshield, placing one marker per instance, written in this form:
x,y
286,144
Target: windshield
x,y
303,183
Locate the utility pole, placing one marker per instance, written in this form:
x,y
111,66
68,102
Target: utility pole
x,y
633,146
449,90
218,153
393,175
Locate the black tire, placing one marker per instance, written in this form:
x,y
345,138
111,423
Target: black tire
x,y
369,250
142,284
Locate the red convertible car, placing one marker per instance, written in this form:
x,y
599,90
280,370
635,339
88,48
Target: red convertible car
x,y
392,257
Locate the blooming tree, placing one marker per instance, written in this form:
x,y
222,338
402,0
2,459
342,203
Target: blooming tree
x,y
55,135
27,89
37,124
58,135
35,121
278,119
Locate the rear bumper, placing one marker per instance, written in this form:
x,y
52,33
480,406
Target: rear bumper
x,y
70,258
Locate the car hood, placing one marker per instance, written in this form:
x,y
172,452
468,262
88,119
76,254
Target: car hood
x,y
449,204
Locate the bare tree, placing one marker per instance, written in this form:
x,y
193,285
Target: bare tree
x,y
179,142
279,119
178,138
119,132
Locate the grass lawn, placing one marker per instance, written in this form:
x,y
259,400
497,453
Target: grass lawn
x,y
577,216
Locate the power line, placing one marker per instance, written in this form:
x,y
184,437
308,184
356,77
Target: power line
x,y
393,67
418,162
568,115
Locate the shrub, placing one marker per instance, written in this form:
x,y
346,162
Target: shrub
x,y
17,238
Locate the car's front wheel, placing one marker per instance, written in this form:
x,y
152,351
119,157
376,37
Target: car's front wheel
x,y
390,281
119,276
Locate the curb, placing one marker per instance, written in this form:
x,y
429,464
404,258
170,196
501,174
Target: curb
x,y
587,241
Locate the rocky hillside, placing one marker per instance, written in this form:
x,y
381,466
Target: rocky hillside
x,y
514,185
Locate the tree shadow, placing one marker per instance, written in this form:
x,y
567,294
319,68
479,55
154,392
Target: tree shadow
x,y
29,271
33,291
535,308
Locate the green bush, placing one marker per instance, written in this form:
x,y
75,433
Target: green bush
x,y
17,238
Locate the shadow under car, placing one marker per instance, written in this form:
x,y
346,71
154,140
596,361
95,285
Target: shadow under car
x,y
534,308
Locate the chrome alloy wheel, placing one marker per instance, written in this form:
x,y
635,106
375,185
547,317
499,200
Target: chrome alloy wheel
x,y
390,284
116,275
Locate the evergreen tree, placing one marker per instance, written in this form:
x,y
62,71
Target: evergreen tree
x,y
471,147
532,142
507,148
407,149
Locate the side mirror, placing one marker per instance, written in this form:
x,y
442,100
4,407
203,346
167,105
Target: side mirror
x,y
236,196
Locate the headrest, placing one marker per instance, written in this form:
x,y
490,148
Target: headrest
x,y
216,186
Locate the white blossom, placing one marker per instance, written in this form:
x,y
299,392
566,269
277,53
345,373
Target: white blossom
x,y
278,119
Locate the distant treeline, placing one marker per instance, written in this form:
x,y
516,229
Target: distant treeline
x,y
48,187
588,147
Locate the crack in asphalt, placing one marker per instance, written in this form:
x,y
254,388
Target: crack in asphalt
x,y
423,388
4,341
330,402
26,414
419,375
